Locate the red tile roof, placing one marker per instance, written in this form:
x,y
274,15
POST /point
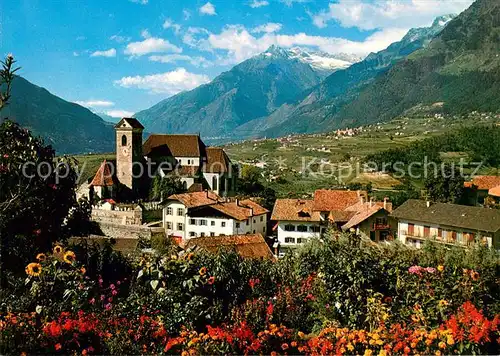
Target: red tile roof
x,y
495,191
217,161
484,182
295,210
103,177
247,246
196,199
329,200
240,210
184,171
362,215
178,145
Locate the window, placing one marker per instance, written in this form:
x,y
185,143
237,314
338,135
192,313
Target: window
x,y
184,185
248,222
222,234
180,226
203,222
301,240
289,227
262,218
212,223
202,234
314,228
169,225
427,231
180,212
214,183
302,228
223,224
440,234
170,211
212,234
192,234
290,240
254,231
192,221
254,221
411,229
237,225
264,229
124,140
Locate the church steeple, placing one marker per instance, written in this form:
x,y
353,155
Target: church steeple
x,y
129,152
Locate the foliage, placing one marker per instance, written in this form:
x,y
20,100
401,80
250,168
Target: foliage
x,y
6,79
161,188
447,186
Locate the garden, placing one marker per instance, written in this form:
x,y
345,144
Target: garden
x,y
341,295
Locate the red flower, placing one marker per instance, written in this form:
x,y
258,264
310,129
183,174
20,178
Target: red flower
x,y
270,308
53,329
58,347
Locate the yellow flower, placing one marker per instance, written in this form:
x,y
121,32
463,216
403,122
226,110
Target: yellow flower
x,y
368,352
83,270
450,340
34,269
41,257
440,268
438,353
301,334
442,345
203,270
443,303
382,353
69,257
58,249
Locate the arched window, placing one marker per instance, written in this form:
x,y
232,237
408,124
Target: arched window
x,y
214,183
184,185
124,140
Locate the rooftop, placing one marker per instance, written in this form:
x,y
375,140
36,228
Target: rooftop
x,y
453,215
196,199
103,177
247,246
217,161
295,210
240,210
329,200
484,182
131,121
176,145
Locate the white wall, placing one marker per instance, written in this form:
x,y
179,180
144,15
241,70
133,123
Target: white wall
x,y
188,161
175,219
283,234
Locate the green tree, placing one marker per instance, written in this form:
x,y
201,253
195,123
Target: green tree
x,y
6,78
447,186
161,188
249,180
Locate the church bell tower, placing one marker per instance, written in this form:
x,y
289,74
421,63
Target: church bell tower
x,y
129,152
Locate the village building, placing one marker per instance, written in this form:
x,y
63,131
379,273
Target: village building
x,y
251,246
103,185
200,214
419,221
480,188
298,220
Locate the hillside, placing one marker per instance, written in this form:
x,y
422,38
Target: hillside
x,y
460,70
68,127
250,90
312,113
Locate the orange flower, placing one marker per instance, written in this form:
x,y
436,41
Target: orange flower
x,y
442,345
301,334
474,275
273,353
293,344
440,268
84,352
58,347
41,257
203,271
83,270
211,280
34,269
190,256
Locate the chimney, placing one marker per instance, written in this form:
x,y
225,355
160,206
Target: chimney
x,y
428,203
371,202
385,202
237,202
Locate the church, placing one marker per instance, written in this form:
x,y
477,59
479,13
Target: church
x,y
199,167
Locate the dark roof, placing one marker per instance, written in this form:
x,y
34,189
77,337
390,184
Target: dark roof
x,y
131,121
247,246
217,161
453,215
103,177
178,145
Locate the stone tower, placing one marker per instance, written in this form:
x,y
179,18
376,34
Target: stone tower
x,y
129,151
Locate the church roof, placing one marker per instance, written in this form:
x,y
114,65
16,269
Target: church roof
x,y
131,121
103,177
178,145
217,161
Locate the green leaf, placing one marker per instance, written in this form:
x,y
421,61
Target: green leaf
x,y
139,275
38,309
154,284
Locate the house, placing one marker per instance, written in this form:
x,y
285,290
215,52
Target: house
x,y
462,225
247,246
205,213
478,189
186,156
298,220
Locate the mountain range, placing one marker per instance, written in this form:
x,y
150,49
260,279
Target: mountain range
x,y
66,126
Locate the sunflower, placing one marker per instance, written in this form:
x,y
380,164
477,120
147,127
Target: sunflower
x,y
34,269
474,275
58,249
69,257
203,270
41,257
443,303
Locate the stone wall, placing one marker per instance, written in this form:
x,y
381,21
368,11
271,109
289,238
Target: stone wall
x,y
119,231
128,217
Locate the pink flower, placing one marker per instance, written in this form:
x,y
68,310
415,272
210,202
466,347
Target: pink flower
x,y
114,292
430,269
110,299
102,297
112,286
415,270
118,282
92,301
6,156
107,306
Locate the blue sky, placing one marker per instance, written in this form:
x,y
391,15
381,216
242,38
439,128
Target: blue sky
x,y
123,56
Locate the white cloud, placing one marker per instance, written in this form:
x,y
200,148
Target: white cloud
x,y
142,2
256,3
170,24
174,58
108,53
95,103
238,44
120,39
75,54
119,113
269,27
387,13
169,82
186,14
145,33
291,2
151,45
208,9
